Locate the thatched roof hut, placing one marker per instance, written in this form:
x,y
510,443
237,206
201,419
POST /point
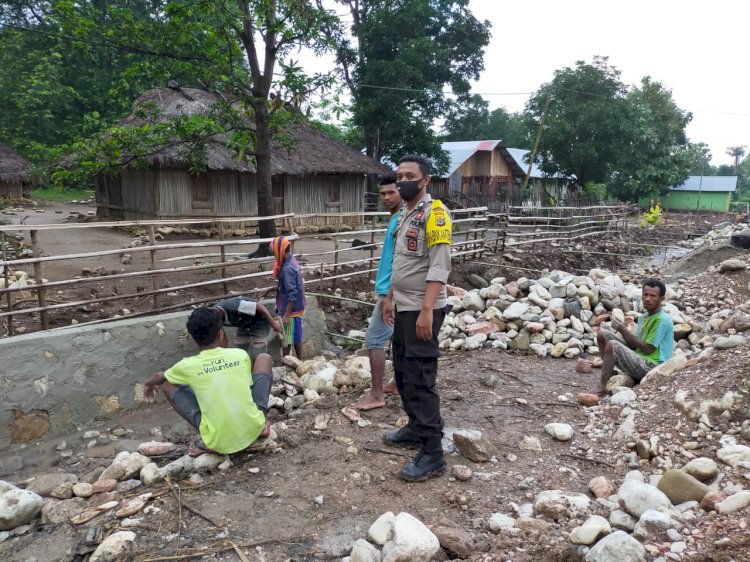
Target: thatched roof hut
x,y
15,176
312,172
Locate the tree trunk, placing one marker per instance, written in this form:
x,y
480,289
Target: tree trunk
x,y
372,149
267,229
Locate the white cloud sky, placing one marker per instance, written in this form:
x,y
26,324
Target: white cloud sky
x,y
698,50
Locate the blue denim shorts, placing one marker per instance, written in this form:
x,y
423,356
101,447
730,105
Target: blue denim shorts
x,y
378,333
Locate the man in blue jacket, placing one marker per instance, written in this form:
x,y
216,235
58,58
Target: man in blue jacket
x,y
379,333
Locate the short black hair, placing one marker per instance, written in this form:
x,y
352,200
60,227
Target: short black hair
x,y
204,325
387,179
658,284
424,164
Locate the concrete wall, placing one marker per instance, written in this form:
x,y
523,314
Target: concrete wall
x,y
53,382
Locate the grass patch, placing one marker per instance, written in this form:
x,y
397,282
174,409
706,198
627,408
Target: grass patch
x,y
59,194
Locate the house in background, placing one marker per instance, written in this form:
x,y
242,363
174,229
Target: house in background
x,y
554,186
15,177
313,174
488,173
479,173
701,193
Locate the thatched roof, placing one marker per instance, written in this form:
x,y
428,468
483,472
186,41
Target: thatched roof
x,y
310,152
13,166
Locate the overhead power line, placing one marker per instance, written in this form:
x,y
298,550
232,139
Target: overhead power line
x,y
170,55
127,48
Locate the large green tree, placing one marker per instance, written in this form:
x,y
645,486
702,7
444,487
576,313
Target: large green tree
x,y
655,152
243,49
599,130
584,125
396,57
471,119
71,68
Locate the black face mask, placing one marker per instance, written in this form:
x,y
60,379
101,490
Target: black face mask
x,y
408,189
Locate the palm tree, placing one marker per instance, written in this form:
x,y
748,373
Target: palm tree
x,y
738,153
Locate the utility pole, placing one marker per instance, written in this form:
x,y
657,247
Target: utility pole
x,y
532,156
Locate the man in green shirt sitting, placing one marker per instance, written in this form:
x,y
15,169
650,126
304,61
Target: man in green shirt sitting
x,y
650,346
218,391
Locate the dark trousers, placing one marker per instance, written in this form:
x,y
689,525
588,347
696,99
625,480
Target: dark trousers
x,y
415,365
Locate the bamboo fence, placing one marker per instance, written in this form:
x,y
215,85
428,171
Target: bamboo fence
x,y
331,266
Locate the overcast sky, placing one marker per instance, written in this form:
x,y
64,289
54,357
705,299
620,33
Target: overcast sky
x,y
698,50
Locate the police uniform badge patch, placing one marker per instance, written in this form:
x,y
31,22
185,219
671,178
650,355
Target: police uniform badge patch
x,y
411,245
439,229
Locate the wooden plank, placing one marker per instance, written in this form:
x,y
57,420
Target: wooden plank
x,y
41,293
254,241
154,280
6,276
160,222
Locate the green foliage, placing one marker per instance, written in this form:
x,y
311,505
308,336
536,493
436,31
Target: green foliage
x,y
700,160
597,129
58,193
597,191
396,58
470,119
54,90
584,124
652,217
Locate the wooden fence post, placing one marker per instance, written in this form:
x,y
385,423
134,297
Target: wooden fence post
x,y
41,293
335,260
372,255
7,282
152,253
223,250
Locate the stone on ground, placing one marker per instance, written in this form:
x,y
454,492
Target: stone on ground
x,y
636,498
586,399
594,527
734,503
617,547
680,487
381,531
454,539
601,487
461,472
114,548
732,265
363,551
500,521
621,520
701,468
623,397
652,525
412,541
46,483
559,431
733,455
472,445
17,507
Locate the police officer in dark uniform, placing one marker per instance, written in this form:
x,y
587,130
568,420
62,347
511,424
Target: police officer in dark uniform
x,y
416,306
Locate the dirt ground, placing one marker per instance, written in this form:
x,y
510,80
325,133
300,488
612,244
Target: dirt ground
x,y
311,498
356,475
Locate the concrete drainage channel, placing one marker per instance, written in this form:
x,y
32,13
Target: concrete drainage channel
x,y
55,382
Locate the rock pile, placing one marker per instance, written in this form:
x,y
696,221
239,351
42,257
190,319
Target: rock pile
x,y
402,537
553,315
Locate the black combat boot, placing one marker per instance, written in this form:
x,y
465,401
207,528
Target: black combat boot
x,y
428,462
404,437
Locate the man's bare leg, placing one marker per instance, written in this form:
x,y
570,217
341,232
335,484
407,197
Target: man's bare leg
x,y
608,367
376,397
298,350
391,388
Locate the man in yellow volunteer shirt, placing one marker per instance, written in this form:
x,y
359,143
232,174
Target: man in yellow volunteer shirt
x,y
215,391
